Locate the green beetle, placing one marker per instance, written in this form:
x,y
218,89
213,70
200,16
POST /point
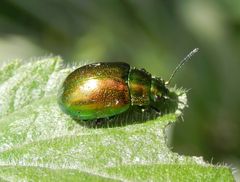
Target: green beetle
x,y
101,90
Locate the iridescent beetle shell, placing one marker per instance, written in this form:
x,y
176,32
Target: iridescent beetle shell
x,y
103,90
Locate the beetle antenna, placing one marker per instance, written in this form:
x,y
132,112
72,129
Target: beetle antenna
x,y
188,57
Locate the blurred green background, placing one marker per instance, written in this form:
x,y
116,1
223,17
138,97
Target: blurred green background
x,y
154,35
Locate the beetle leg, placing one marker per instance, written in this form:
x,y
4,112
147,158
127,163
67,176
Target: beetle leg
x,y
156,109
145,109
98,122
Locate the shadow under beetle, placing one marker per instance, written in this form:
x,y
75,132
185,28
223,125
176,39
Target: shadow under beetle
x,y
103,90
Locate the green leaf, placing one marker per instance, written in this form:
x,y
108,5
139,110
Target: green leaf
x,y
38,142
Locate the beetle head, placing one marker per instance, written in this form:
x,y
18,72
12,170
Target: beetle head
x,y
158,89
